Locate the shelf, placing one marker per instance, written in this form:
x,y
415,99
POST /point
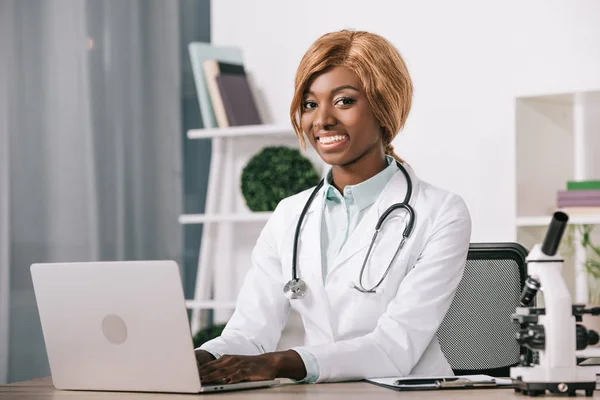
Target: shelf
x,y
209,304
239,217
240,131
545,220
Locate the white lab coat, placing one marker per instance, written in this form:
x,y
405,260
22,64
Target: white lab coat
x,y
355,335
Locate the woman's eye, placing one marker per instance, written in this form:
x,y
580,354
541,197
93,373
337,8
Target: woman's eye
x,y
309,105
345,101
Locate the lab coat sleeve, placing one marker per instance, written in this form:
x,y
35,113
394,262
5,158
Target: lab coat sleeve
x,y
261,309
310,363
414,315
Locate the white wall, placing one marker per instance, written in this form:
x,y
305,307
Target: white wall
x,y
545,152
469,61
592,129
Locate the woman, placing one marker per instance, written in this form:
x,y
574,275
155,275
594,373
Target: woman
x,y
352,96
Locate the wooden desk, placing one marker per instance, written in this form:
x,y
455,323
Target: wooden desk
x,y
42,389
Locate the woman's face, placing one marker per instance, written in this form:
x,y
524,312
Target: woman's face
x,y
338,120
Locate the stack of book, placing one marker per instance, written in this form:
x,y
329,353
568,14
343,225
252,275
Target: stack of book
x,y
580,198
230,94
223,87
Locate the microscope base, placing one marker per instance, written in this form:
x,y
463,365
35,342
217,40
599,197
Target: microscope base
x,y
562,388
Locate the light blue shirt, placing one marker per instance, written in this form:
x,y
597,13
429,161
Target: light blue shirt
x,y
341,214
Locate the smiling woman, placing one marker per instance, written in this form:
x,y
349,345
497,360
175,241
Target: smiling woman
x,y
352,97
375,71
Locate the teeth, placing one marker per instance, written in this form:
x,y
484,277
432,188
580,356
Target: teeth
x,y
331,139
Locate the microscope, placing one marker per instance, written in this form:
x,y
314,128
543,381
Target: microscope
x,y
552,332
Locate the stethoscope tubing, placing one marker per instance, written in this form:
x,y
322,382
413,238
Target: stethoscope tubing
x,y
405,234
299,226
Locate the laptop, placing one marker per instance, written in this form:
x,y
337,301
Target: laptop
x,y
119,326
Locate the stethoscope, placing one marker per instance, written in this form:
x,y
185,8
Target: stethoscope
x,y
296,288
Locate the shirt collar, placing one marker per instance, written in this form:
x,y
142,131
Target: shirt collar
x,y
364,193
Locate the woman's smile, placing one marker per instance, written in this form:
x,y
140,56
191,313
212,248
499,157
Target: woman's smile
x,y
332,142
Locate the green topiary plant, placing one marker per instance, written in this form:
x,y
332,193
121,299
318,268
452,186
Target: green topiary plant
x,y
274,174
206,334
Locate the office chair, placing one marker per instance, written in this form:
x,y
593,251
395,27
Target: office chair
x,y
477,336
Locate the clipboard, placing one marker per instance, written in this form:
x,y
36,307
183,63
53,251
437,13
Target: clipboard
x,y
442,382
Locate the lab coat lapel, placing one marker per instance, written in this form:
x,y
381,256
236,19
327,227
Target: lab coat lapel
x,y
361,237
309,247
310,270
358,240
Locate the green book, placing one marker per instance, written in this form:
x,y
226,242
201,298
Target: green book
x,y
583,185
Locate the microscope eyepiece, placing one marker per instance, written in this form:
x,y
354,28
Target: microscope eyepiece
x,y
530,289
554,233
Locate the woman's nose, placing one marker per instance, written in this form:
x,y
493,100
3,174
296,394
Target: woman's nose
x,y
324,118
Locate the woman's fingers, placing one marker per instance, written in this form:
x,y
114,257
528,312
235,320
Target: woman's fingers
x,y
237,376
206,369
217,375
211,366
219,369
232,369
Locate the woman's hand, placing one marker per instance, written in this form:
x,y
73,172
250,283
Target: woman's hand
x,y
203,357
233,369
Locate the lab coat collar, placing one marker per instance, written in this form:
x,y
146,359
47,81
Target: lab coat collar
x,y
395,190
319,199
364,193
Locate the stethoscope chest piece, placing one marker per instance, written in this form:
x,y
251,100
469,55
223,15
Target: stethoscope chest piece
x,y
295,289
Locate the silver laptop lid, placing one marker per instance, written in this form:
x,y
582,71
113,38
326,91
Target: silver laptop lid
x,y
116,326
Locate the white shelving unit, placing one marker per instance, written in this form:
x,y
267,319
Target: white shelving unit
x,y
557,140
240,131
239,217
209,304
230,228
545,220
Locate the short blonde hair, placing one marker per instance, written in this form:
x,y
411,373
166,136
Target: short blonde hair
x,y
379,66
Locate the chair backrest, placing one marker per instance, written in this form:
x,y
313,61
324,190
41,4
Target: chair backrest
x,y
477,335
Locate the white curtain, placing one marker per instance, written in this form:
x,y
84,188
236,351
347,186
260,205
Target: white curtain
x,y
90,120
5,43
